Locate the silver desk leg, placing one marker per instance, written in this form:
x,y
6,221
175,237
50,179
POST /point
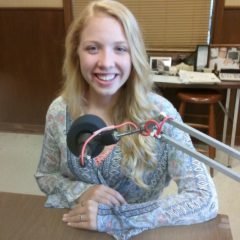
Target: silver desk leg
x,y
226,115
234,124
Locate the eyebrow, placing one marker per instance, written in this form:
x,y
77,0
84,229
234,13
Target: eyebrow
x,y
97,42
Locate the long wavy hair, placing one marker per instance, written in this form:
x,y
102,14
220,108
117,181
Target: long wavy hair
x,y
132,104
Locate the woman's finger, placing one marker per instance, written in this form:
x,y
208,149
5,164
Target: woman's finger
x,y
75,218
116,195
103,194
107,195
83,216
75,211
82,225
108,199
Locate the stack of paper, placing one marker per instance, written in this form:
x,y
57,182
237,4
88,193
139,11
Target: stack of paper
x,y
165,79
198,77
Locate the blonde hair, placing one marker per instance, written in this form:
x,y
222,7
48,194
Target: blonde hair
x,y
132,104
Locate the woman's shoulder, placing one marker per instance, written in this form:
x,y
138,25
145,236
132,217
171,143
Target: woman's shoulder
x,y
58,105
162,104
156,97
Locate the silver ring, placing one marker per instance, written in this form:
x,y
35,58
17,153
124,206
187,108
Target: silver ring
x,y
81,218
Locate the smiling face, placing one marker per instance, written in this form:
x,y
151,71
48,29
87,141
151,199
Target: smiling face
x,y
104,54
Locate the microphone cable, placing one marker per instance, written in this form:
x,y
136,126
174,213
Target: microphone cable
x,y
150,128
108,128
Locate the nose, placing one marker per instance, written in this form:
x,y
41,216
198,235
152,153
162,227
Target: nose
x,y
106,59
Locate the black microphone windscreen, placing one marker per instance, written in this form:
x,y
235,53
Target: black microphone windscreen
x,y
80,130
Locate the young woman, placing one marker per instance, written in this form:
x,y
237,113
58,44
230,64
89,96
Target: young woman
x,y
118,192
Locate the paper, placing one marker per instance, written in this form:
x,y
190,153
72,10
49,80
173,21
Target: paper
x,y
187,77
198,77
165,79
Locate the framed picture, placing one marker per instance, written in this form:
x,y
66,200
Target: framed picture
x,y
160,64
201,60
224,57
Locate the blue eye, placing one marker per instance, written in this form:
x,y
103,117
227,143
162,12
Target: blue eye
x,y
92,49
121,49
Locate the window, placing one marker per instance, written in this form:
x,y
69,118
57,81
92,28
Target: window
x,y
168,24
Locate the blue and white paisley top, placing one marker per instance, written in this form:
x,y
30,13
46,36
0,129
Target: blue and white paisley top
x,y
63,180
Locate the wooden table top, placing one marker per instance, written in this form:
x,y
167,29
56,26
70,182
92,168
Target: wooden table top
x,y
23,217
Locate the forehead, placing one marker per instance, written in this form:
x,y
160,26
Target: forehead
x,y
100,24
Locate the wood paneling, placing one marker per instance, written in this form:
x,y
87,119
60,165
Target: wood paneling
x,y
231,26
31,47
226,24
68,15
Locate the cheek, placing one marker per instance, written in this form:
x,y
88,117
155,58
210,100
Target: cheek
x,y
128,66
81,60
85,63
83,66
125,63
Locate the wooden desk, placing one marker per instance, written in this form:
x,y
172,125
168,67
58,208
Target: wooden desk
x,y
228,85
23,217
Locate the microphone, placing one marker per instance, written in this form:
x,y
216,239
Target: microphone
x,y
82,128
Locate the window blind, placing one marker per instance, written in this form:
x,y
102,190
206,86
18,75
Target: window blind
x,y
232,3
31,4
168,24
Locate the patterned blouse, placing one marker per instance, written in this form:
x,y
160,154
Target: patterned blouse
x,y
60,176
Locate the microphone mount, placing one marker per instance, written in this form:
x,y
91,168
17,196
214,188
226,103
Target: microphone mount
x,y
195,133
153,127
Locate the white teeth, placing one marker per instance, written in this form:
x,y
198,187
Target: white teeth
x,y
108,77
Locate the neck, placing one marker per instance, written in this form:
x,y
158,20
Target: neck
x,y
101,106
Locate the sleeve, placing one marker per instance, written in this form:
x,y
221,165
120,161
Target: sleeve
x,y
52,175
195,202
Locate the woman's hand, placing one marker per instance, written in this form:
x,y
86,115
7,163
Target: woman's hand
x,y
83,216
102,194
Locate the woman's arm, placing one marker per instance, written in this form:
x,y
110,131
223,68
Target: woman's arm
x,y
53,176
195,202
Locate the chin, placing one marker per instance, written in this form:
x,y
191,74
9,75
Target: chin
x,y
108,93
